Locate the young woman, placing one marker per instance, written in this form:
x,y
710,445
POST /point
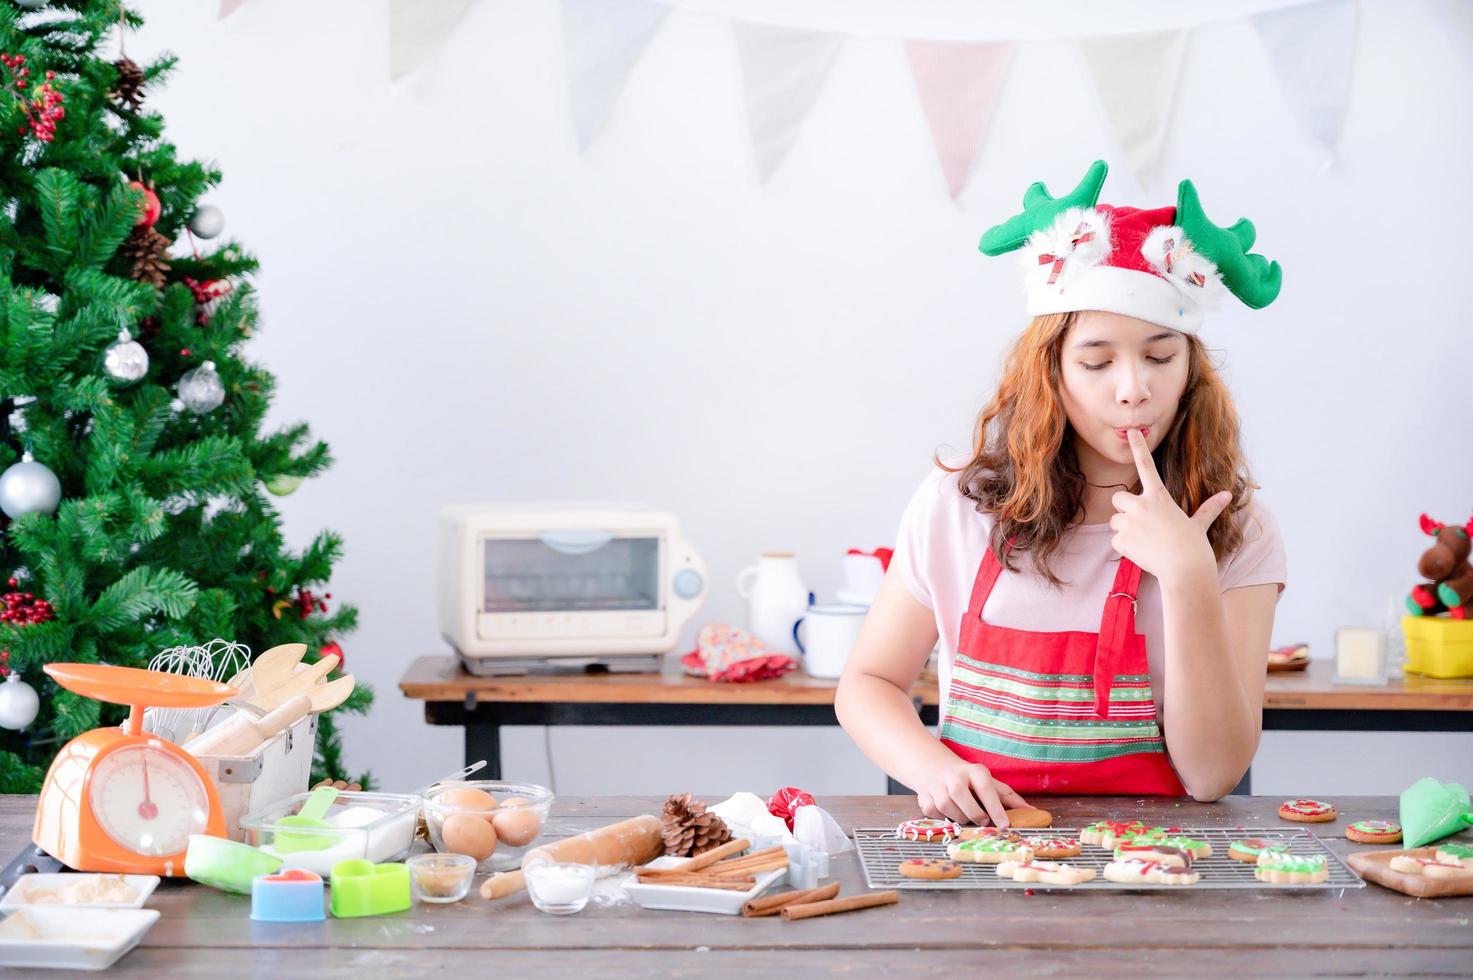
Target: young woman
x,y
1100,578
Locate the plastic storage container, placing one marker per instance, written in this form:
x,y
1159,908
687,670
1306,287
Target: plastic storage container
x,y
374,827
1438,646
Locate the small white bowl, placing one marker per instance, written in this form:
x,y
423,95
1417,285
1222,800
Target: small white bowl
x,y
31,891
71,938
684,898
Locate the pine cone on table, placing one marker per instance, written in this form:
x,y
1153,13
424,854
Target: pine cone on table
x,y
147,253
689,829
129,86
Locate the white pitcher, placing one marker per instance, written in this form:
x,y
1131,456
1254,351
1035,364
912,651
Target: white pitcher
x,y
776,599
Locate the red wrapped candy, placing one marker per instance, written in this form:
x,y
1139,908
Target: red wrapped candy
x,y
786,801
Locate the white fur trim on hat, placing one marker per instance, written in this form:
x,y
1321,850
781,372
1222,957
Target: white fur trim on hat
x,y
1167,250
1126,291
1078,240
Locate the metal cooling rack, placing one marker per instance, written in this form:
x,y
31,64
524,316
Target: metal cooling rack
x,y
881,853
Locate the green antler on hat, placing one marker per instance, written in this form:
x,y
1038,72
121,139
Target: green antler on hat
x,y
1247,275
1040,208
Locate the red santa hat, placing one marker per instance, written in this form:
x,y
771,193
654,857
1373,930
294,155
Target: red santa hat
x,y
1165,265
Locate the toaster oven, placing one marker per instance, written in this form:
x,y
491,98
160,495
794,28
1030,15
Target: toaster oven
x,y
522,585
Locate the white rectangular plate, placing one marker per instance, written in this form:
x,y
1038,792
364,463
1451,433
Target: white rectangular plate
x,y
28,888
71,938
684,898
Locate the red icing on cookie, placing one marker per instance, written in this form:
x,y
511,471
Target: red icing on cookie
x,y
1307,808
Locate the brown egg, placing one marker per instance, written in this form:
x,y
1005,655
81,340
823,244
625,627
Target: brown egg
x,y
467,833
468,798
518,827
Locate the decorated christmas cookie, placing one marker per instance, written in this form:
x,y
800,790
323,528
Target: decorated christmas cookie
x,y
1046,872
989,833
1412,865
1199,849
1308,811
1374,832
1455,854
927,829
1142,871
1283,868
1105,833
1052,848
989,851
1248,849
1164,853
929,869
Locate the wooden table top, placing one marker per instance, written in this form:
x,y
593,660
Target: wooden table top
x,y
204,932
441,678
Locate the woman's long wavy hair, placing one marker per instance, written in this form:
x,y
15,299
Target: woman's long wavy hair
x,y
1025,471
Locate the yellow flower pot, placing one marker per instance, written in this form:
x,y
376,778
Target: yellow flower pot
x,y
1438,646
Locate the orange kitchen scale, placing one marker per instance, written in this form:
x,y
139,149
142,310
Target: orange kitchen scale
x,y
118,799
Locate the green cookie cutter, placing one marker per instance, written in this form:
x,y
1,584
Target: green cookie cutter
x,y
361,888
226,864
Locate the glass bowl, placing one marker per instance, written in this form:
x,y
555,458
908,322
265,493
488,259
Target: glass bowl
x,y
437,878
496,836
559,888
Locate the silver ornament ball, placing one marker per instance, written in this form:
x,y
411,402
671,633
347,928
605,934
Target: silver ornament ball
x,y
19,703
30,4
208,221
28,487
126,360
201,390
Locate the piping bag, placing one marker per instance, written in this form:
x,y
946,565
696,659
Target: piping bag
x,y
625,844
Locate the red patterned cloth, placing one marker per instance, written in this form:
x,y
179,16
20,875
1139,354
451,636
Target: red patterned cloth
x,y
786,801
729,654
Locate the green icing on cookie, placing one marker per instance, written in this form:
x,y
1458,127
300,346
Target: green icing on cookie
x,y
988,845
1376,827
1458,851
1284,861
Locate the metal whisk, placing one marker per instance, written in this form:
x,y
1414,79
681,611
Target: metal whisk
x,y
214,661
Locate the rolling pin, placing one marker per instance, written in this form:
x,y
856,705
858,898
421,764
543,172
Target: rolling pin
x,y
624,844
242,732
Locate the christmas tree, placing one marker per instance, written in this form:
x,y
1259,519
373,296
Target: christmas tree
x,y
134,472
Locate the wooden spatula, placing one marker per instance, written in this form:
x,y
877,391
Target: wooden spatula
x,y
301,682
271,669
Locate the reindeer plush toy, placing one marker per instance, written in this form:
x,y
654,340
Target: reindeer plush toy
x,y
1446,564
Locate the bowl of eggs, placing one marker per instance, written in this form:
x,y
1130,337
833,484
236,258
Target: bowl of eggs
x,y
492,821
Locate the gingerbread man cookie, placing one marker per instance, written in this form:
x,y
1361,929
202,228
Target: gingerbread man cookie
x,y
1307,811
929,869
1143,871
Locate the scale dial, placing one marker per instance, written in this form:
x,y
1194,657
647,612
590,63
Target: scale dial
x,y
148,800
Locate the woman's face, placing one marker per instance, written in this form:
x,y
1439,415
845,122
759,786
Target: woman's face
x,y
1119,372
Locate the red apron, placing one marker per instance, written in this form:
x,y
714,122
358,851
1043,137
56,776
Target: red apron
x,y
1058,713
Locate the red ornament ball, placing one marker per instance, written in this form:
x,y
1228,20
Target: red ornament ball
x,y
331,647
151,206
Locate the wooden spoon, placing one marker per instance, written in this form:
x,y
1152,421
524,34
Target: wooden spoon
x,y
300,682
271,669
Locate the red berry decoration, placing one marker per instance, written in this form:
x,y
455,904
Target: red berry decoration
x,y
151,206
24,609
41,104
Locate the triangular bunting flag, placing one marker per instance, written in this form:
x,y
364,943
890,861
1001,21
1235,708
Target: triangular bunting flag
x,y
604,38
783,70
228,7
1136,75
1311,47
415,26
959,83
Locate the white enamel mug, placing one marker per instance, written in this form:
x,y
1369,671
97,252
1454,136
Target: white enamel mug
x,y
826,634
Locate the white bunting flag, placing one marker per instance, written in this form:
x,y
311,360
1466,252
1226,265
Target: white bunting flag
x,y
783,71
1311,47
1136,76
604,39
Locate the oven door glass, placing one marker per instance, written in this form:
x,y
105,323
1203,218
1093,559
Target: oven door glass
x,y
572,571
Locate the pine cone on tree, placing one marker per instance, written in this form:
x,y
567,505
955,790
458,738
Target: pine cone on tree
x,y
147,253
129,86
689,829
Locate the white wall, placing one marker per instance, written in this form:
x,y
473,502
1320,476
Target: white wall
x,y
465,307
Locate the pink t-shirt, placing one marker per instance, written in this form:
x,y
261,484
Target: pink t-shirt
x,y
943,537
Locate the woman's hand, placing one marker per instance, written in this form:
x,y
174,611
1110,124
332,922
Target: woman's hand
x,y
1152,531
967,793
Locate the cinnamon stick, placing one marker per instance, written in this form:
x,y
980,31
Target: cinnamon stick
x,y
836,905
701,881
773,904
706,859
